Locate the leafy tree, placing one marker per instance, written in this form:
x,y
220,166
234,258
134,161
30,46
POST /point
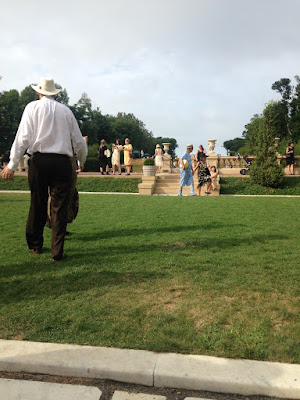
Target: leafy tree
x,y
284,87
234,145
92,122
265,169
127,125
295,111
290,106
96,127
82,109
27,95
10,115
62,96
250,132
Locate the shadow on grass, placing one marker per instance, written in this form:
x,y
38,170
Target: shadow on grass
x,y
51,285
129,232
105,265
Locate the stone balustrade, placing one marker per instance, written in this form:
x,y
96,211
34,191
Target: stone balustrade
x,y
213,159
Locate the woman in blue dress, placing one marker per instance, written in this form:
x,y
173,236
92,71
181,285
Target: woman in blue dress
x,y
186,174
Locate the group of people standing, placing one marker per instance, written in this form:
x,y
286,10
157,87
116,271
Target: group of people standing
x,y
104,155
187,171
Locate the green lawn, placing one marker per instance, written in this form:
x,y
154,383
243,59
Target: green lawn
x,y
130,185
216,276
291,186
84,184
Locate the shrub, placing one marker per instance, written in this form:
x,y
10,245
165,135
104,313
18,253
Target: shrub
x,y
267,172
149,161
91,164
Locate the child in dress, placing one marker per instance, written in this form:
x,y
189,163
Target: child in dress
x,y
214,175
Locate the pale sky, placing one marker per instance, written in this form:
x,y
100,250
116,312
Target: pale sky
x,y
189,69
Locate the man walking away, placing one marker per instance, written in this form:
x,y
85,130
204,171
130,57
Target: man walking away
x,y
49,132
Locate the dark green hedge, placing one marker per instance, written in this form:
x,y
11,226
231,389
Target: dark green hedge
x,y
91,164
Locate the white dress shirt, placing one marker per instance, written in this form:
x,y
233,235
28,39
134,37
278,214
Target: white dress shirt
x,y
47,126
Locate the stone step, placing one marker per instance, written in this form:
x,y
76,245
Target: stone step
x,y
175,179
169,185
186,191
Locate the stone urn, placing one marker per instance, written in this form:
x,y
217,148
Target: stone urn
x,y
149,168
166,149
211,147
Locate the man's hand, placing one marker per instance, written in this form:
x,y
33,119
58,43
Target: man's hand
x,y
7,174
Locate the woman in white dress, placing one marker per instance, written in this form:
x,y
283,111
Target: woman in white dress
x,y
116,148
158,158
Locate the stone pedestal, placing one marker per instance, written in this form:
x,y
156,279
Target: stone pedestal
x,y
212,161
167,159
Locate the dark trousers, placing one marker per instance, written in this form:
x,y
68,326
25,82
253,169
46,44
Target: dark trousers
x,y
48,173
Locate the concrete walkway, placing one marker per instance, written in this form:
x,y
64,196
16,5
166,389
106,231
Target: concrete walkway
x,y
191,372
11,389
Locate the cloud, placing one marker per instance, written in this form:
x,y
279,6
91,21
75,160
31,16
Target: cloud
x,y
193,69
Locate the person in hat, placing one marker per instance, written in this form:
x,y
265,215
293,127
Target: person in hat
x,y
158,158
186,174
49,132
203,174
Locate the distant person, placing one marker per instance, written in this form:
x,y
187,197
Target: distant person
x,y
48,131
200,151
5,159
158,158
128,156
102,156
214,176
116,148
290,158
203,175
186,175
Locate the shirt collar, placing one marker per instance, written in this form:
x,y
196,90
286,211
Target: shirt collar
x,y
48,98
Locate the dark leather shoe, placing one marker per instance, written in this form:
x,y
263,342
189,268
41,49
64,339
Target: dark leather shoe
x,y
36,251
58,258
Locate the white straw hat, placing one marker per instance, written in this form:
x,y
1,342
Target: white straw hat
x,y
46,87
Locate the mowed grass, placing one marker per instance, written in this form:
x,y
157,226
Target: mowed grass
x,y
229,185
84,184
214,276
244,186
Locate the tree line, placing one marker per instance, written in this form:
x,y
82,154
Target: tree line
x,y
92,122
282,116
